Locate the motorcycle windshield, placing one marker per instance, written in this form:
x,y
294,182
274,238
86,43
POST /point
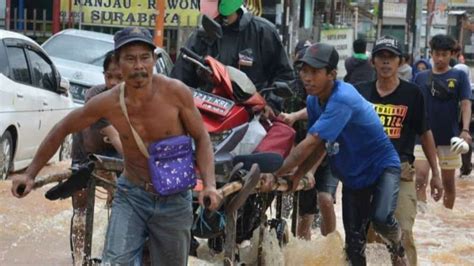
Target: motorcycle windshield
x,y
242,86
221,78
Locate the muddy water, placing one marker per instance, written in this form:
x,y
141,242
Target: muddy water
x,y
35,231
447,236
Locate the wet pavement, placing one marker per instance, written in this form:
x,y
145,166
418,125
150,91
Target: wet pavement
x,y
35,231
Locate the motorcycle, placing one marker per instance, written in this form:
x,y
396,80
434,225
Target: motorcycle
x,y
228,113
229,110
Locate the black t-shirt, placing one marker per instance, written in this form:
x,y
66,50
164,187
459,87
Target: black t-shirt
x,y
402,114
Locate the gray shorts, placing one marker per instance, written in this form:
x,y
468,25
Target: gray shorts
x,y
325,182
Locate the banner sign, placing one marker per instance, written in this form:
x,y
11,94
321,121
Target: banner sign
x,y
130,12
461,3
395,10
342,40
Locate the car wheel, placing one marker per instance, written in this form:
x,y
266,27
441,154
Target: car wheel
x,y
66,149
6,155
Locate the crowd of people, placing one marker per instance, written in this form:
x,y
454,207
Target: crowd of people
x,y
379,132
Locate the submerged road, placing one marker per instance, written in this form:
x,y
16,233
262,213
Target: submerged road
x,y
35,231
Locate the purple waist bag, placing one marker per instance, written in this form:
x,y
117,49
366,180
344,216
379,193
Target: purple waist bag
x,y
171,165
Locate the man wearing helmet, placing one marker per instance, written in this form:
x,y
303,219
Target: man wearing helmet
x,y
249,43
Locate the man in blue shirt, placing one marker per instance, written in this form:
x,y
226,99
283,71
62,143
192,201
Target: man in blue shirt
x,y
444,89
345,126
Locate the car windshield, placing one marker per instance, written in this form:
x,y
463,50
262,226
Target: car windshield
x,y
79,49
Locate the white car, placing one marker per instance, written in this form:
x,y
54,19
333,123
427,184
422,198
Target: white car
x,y
79,56
33,98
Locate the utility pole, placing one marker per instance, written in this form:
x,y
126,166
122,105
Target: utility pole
x,y
414,12
295,23
356,21
159,22
408,25
380,19
332,14
56,15
461,32
284,23
7,15
21,15
417,29
80,14
70,25
430,6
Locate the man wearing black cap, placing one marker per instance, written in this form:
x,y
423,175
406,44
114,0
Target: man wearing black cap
x,y
345,127
158,108
401,108
320,198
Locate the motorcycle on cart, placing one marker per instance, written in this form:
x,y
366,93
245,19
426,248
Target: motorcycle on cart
x,y
238,176
228,101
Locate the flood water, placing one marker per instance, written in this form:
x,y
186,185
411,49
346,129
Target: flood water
x,y
35,231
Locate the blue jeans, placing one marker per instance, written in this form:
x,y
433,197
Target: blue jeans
x,y
137,215
375,204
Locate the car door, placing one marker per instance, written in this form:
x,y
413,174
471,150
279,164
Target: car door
x,y
54,105
20,103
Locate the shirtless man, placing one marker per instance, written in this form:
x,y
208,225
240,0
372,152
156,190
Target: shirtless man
x,y
158,108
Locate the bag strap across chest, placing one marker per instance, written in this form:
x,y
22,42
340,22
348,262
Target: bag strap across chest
x,y
138,139
429,80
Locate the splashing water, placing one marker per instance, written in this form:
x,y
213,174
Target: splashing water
x,y
318,251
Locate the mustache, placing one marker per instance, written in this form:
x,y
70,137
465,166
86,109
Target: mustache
x,y
139,74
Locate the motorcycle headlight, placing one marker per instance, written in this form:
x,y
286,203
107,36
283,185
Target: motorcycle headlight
x,y
217,138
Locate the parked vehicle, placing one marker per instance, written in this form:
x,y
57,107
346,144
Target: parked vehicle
x,y
33,98
79,55
164,64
